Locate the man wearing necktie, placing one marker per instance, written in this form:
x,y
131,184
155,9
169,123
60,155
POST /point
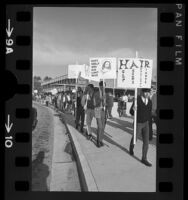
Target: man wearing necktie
x,y
144,110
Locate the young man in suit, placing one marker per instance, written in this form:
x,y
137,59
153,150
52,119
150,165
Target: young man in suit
x,y
144,109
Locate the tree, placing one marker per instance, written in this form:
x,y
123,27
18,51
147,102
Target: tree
x,y
37,83
37,86
47,78
37,78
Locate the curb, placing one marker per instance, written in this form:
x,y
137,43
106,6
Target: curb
x,y
86,177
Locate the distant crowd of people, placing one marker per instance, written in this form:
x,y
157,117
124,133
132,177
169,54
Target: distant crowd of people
x,y
94,102
64,101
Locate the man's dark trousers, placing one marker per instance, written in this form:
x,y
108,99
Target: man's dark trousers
x,y
80,115
142,128
150,129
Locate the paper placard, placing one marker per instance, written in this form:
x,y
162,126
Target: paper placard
x,y
102,68
134,73
75,70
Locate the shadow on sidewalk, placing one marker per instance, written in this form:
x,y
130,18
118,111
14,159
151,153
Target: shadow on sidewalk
x,y
57,114
69,119
109,140
122,124
68,149
40,173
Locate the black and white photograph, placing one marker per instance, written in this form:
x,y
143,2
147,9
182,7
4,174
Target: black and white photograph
x,y
94,99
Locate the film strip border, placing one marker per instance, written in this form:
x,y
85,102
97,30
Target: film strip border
x,y
170,102
18,137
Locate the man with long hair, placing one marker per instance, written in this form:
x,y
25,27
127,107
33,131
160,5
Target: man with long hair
x,y
100,104
88,104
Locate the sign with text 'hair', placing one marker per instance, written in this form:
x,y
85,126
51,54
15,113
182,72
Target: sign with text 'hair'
x,y
134,73
102,68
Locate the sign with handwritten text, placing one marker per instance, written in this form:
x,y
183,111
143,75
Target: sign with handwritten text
x,y
134,73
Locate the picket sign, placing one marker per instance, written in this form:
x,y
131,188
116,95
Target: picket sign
x,y
131,73
75,70
134,73
102,68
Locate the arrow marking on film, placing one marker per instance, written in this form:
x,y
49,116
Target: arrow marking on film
x,y
9,30
8,126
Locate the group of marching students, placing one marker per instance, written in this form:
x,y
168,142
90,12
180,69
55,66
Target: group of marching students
x,y
64,101
93,102
85,105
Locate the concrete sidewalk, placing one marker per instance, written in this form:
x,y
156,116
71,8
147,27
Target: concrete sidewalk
x,y
57,171
111,168
64,175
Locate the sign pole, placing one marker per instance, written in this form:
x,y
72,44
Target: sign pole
x,y
103,85
135,115
104,98
76,97
116,80
135,110
114,87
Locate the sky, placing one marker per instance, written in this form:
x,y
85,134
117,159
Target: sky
x,y
70,35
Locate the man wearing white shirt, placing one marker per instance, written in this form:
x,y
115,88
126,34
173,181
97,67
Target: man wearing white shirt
x,y
125,100
125,97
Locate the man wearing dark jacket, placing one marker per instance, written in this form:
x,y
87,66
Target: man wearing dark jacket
x,y
80,113
109,105
144,108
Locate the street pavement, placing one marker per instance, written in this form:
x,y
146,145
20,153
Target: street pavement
x,y
112,167
53,164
